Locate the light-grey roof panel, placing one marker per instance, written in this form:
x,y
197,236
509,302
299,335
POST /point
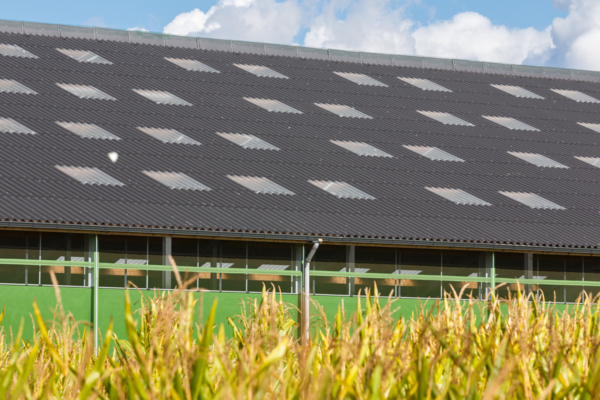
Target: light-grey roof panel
x,y
362,149
343,111
262,71
272,105
176,180
458,196
342,190
594,127
532,200
191,65
517,91
85,92
425,84
9,125
595,161
247,141
84,56
511,123
360,79
160,97
260,185
89,176
537,159
11,86
89,131
168,135
11,50
576,95
433,153
445,118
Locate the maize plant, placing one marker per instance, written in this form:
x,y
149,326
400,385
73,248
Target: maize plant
x,y
520,348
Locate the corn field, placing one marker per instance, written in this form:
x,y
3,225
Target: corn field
x,y
455,349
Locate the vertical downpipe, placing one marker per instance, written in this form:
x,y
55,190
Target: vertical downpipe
x,y
305,309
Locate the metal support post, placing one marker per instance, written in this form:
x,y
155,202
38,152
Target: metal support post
x,y
96,278
487,270
167,246
528,272
305,306
215,263
351,267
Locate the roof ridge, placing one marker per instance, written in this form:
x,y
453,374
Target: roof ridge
x,y
141,37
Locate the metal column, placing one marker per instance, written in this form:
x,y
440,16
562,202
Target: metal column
x,y
487,269
528,272
167,251
305,296
96,285
351,267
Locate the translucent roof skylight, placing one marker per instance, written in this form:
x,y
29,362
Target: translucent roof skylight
x,y
272,105
517,91
260,185
425,84
85,92
407,272
356,270
89,176
537,159
577,96
11,50
595,161
9,125
176,180
445,118
594,127
433,153
274,267
360,79
342,190
259,70
343,111
511,123
10,86
89,131
191,65
247,141
160,97
458,196
168,135
362,149
84,56
132,261
532,200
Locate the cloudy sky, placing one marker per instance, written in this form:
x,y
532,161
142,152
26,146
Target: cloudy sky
x,y
561,33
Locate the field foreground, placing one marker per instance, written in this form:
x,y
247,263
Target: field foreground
x,y
457,350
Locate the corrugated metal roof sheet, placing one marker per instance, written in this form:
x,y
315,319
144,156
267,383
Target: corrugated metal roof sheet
x,y
89,176
32,189
445,118
425,84
273,105
9,125
161,97
260,185
262,71
433,153
176,180
12,50
532,200
85,91
89,131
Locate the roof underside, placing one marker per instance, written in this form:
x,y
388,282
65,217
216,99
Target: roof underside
x,y
32,188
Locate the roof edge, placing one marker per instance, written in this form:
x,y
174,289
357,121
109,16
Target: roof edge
x,y
298,238
236,46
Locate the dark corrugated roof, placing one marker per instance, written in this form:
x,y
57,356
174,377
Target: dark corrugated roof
x,y
32,189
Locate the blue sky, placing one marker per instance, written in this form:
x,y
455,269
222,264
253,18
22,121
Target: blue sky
x,y
155,15
561,33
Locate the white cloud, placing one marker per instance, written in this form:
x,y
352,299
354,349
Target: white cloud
x,y
383,26
577,36
368,25
137,28
253,20
472,36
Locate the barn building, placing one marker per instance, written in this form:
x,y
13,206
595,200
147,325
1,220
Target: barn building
x,y
122,148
